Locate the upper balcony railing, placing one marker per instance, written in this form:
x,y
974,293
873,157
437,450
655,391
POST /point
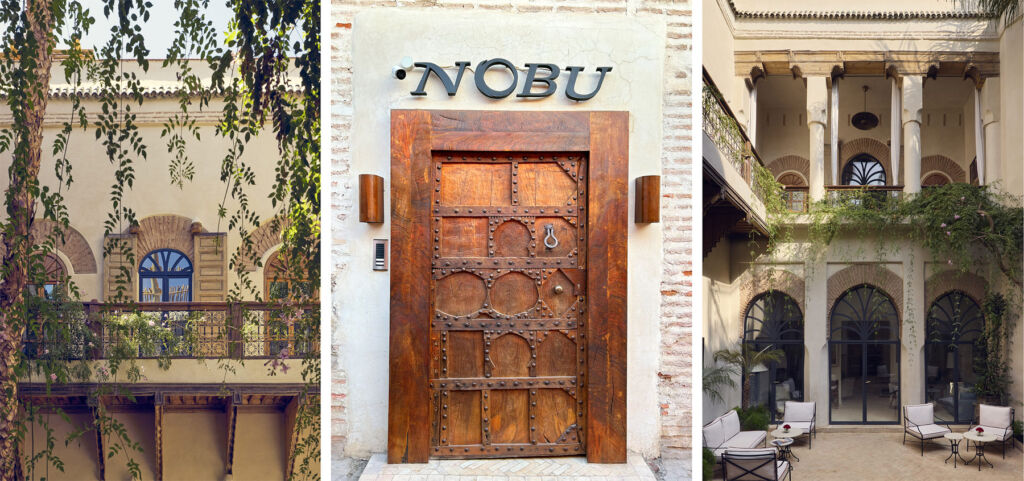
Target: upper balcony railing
x,y
722,127
868,196
195,330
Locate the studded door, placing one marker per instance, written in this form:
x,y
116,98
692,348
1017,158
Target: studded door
x,y
508,282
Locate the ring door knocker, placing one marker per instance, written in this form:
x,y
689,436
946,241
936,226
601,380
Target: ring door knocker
x,y
550,241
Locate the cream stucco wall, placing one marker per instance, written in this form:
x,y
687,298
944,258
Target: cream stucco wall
x,y
633,46
88,199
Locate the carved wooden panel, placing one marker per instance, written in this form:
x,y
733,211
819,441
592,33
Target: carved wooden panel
x,y
508,291
508,287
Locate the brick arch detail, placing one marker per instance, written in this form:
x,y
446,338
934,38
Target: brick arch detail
x,y
264,238
780,280
875,275
943,282
165,231
73,246
786,163
872,147
945,165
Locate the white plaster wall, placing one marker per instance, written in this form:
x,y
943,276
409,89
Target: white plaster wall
x,y
633,46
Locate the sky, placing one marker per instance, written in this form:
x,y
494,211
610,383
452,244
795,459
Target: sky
x,y
159,31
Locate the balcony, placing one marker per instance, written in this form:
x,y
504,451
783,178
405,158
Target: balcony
x,y
721,126
796,198
188,330
868,196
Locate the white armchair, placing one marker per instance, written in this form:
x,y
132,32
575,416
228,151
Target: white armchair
x,y
919,422
801,415
996,420
754,465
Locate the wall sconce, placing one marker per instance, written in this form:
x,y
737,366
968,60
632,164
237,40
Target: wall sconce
x,y
371,198
648,199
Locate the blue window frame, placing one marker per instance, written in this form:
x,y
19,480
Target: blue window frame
x,y
165,275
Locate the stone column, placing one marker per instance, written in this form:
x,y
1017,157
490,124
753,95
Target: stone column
x,y
752,120
990,106
912,337
913,102
817,115
834,131
816,364
895,125
979,137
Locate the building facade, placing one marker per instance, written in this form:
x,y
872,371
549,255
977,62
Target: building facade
x,y
216,406
891,99
635,59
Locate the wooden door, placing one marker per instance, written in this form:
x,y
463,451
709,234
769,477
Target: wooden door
x,y
493,351
508,278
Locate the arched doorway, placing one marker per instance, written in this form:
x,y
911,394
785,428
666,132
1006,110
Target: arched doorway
x,y
774,321
954,323
864,170
864,358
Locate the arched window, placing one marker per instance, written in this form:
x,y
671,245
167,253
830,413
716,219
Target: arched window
x,y
279,281
165,275
863,170
934,179
774,321
792,179
864,358
56,274
954,324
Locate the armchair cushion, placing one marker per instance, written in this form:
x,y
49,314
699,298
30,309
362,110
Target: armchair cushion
x,y
928,431
998,416
919,414
1002,434
746,439
798,412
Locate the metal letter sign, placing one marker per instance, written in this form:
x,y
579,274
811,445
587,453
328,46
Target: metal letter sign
x,y
451,87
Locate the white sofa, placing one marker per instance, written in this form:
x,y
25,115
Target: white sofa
x,y
724,433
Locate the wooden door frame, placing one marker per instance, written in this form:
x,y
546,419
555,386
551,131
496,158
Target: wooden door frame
x,y
604,137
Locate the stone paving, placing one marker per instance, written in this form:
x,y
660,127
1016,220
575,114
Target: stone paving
x,y
882,456
519,469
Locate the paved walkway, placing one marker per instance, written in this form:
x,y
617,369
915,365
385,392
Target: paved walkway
x,y
882,456
519,469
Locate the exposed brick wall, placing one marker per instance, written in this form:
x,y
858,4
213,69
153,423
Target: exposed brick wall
x,y
74,246
865,145
674,386
945,165
164,232
773,280
788,163
876,275
941,283
264,238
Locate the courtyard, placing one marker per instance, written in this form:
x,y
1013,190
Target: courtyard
x,y
873,455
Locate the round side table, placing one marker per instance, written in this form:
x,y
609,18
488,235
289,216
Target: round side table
x,y
785,452
954,447
979,443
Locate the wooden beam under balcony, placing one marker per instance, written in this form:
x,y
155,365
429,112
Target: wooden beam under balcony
x,y
866,62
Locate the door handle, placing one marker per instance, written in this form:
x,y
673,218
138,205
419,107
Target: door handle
x,y
550,241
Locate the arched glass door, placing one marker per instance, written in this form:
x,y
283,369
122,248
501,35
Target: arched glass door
x,y
774,321
864,358
953,326
863,170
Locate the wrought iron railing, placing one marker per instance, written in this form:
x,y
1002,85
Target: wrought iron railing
x,y
796,198
869,196
178,330
721,126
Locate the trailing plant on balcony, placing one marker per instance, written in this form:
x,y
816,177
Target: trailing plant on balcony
x,y
991,364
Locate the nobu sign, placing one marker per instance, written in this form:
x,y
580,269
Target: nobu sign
x,y
547,75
